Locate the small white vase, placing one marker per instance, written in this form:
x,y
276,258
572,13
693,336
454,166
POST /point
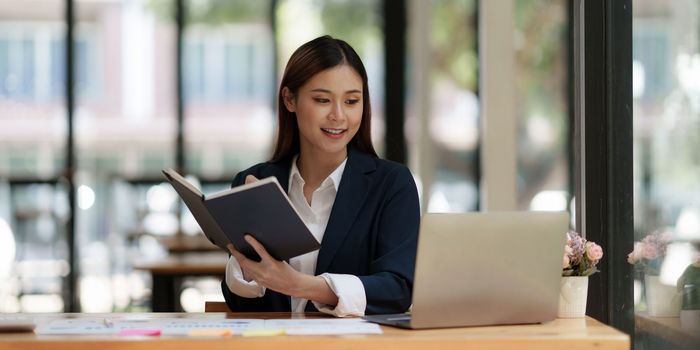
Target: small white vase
x,y
662,300
573,295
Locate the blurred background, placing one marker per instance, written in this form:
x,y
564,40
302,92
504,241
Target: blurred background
x,y
86,221
125,123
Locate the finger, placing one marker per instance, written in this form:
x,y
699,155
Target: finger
x,y
248,267
236,254
250,179
257,246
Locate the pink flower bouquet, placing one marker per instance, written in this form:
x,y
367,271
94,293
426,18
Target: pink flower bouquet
x,y
580,256
649,253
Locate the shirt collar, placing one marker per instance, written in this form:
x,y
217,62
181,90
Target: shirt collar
x,y
335,176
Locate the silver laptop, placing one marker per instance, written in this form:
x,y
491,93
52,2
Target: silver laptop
x,y
486,268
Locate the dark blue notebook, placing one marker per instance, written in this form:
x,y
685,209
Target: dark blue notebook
x,y
261,209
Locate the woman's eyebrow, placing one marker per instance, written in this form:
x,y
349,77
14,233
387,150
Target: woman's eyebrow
x,y
329,91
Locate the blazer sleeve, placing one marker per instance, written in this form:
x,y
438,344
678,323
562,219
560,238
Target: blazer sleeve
x,y
389,284
239,179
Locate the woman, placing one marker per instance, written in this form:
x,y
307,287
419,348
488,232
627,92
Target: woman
x,y
362,209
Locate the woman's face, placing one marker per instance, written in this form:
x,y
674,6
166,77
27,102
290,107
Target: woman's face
x,y
328,110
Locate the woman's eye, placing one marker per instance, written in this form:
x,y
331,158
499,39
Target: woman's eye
x,y
322,100
352,102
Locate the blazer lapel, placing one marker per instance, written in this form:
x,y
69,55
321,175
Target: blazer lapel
x,y
352,193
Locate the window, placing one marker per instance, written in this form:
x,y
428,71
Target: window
x,y
125,128
33,254
229,86
448,172
226,64
542,105
666,92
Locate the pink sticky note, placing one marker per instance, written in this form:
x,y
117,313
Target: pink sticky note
x,y
139,332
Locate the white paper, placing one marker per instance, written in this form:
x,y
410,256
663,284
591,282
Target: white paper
x,y
74,326
181,326
167,326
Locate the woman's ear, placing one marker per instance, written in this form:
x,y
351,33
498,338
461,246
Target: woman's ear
x,y
288,98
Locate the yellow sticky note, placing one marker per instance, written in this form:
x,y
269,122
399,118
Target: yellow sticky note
x,y
263,332
210,332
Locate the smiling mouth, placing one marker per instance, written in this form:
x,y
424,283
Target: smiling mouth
x,y
333,131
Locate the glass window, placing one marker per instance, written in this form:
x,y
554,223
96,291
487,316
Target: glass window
x,y
32,85
229,74
33,253
125,131
666,91
453,120
541,84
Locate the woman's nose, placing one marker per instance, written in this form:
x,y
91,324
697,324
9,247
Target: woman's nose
x,y
337,112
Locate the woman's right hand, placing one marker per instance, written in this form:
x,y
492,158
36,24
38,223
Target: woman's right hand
x,y
274,274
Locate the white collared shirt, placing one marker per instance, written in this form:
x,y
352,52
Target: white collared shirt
x,y
348,288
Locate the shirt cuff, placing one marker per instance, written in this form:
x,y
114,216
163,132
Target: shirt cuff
x,y
238,285
350,291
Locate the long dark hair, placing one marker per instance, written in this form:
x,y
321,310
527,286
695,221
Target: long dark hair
x,y
309,59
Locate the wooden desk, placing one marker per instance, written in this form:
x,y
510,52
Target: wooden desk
x,y
584,333
167,275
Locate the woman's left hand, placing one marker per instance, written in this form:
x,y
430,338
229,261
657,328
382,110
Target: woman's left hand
x,y
269,272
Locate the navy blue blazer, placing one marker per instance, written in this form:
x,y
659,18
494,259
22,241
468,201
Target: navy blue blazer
x,y
372,233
